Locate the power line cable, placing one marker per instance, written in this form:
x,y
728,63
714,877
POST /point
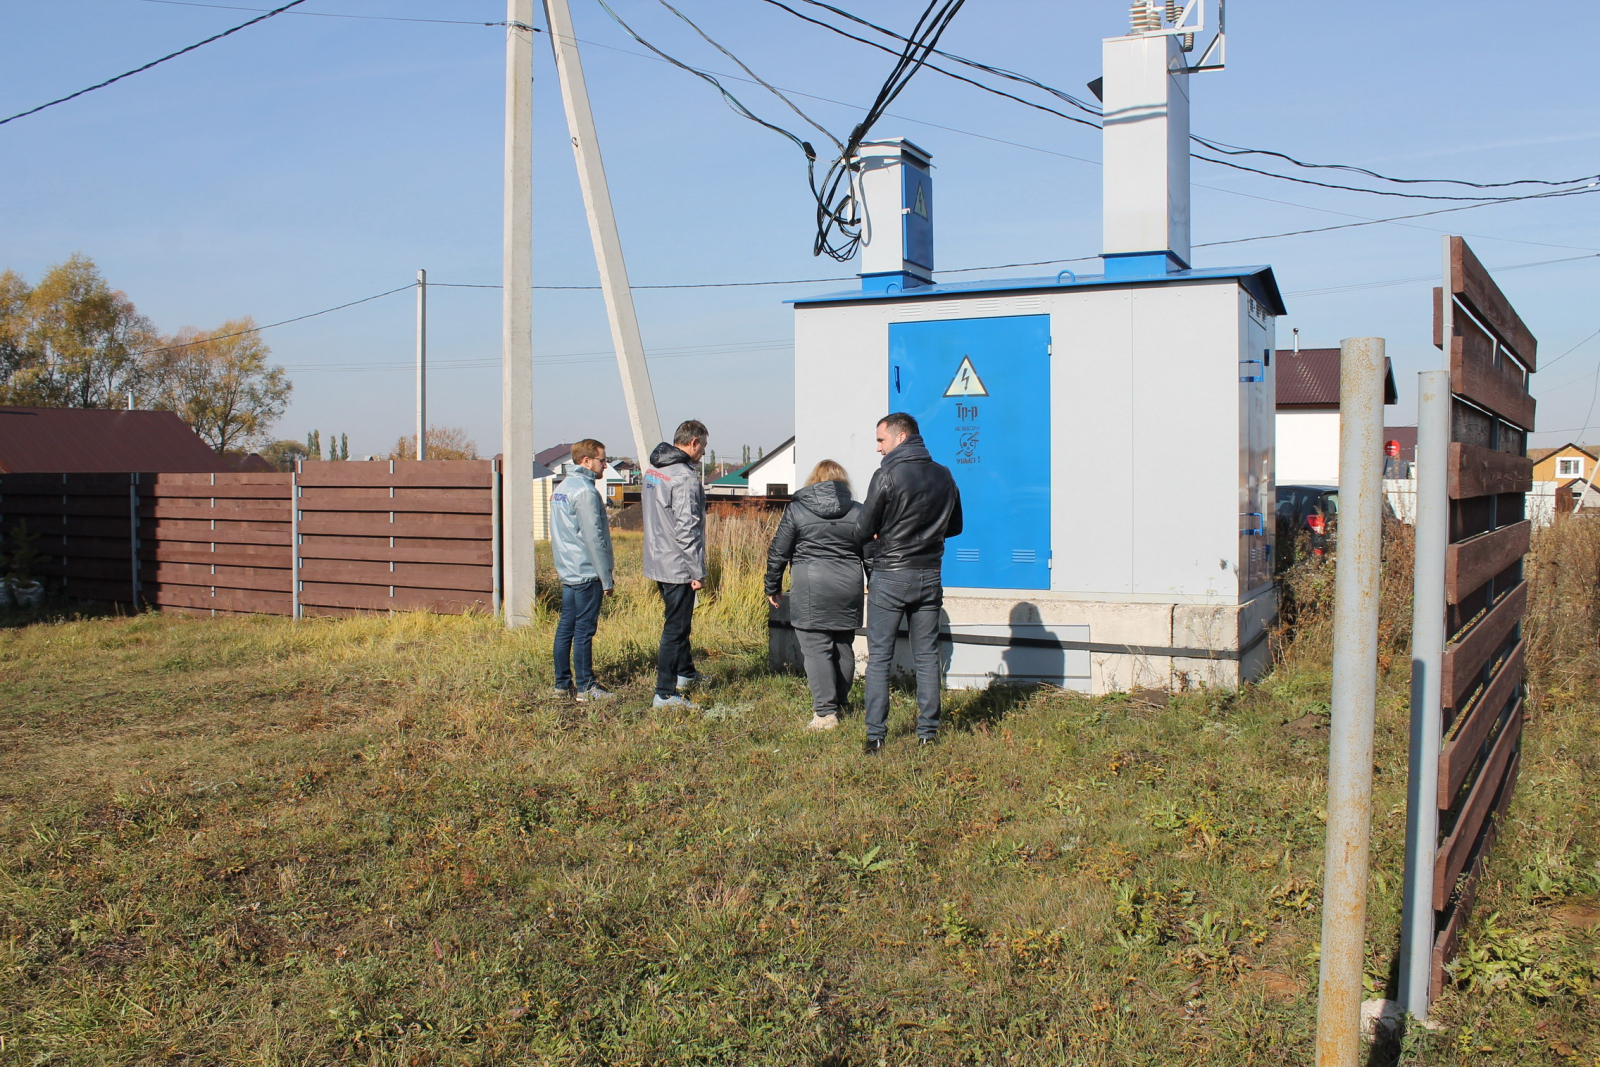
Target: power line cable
x,y
154,62
326,14
270,325
1569,351
1361,189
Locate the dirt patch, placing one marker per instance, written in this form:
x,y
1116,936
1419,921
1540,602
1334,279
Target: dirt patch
x,y
1578,916
1278,985
1313,727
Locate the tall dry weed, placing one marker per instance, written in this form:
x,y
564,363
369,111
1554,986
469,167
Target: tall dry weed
x,y
1563,574
1305,603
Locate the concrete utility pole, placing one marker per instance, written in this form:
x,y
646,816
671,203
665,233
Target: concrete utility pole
x,y
516,302
1427,662
422,364
636,389
1354,701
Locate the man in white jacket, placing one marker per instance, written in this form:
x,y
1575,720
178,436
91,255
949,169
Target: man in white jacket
x,y
674,505
580,541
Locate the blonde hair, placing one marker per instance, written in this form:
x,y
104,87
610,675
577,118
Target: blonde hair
x,y
829,471
588,448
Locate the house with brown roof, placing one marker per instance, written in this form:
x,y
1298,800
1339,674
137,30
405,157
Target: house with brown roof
x,y
100,440
1563,464
1307,380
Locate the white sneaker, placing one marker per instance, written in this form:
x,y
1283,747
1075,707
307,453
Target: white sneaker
x,y
818,722
673,701
686,681
596,693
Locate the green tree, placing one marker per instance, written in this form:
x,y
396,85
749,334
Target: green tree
x,y
71,340
220,384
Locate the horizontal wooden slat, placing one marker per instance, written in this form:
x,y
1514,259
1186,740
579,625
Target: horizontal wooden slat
x,y
1461,751
241,533
261,578
443,473
431,501
1472,283
94,547
1478,471
263,482
1470,563
1444,945
373,598
77,484
468,553
467,529
230,510
114,590
88,567
1475,375
186,596
1464,658
51,530
215,492
410,575
1453,854
114,504
232,555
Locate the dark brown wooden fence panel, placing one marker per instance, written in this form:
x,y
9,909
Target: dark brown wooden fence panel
x,y
84,527
1491,359
397,536
217,543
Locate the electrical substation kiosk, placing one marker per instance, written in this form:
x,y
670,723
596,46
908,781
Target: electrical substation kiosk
x,y
1111,434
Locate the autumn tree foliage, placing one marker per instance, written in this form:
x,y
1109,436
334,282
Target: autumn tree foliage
x,y
73,341
444,442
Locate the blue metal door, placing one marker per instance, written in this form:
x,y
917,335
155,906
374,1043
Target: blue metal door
x,y
980,390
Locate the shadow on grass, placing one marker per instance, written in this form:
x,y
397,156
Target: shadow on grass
x,y
55,611
970,710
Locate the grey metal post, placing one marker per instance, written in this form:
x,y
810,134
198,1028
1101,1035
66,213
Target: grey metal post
x,y
422,364
496,569
294,541
1354,701
643,418
1427,662
133,536
516,390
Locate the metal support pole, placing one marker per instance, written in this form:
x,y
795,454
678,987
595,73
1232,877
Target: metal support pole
x,y
1354,701
294,542
422,364
516,389
636,389
1427,662
133,536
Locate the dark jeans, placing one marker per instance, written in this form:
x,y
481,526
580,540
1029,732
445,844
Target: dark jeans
x,y
916,596
580,617
830,659
674,659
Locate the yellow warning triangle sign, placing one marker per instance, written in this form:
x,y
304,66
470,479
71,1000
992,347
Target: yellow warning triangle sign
x,y
966,382
921,206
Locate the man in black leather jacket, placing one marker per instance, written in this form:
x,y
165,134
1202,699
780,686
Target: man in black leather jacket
x,y
912,505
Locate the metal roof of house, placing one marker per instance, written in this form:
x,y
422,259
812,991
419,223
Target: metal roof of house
x,y
736,477
1310,378
1258,281
553,453
95,440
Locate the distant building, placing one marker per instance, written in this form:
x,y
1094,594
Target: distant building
x,y
1561,478
771,475
102,441
1308,414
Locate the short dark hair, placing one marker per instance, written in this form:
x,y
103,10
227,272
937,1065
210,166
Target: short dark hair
x,y
690,431
900,422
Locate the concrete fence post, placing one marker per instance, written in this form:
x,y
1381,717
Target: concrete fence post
x,y
1354,701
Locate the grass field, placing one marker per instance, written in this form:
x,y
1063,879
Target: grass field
x,y
380,840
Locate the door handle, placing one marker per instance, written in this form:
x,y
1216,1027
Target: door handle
x,y
897,377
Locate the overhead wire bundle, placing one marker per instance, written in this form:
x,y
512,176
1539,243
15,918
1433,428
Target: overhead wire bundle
x,y
837,206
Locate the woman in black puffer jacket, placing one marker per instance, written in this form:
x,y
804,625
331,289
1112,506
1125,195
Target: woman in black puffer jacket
x,y
817,540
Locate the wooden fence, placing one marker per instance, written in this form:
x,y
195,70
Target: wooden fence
x,y
1491,355
329,539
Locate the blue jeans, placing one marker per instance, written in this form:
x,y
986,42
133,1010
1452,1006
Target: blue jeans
x,y
915,596
580,617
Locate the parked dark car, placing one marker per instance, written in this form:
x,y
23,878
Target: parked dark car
x,y
1311,511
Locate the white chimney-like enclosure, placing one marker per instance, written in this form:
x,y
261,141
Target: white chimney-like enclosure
x,y
1112,434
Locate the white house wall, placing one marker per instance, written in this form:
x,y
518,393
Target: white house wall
x,y
1308,448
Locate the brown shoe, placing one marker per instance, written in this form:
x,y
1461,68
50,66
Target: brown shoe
x,y
822,722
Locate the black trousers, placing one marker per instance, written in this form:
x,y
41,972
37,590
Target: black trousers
x,y
674,660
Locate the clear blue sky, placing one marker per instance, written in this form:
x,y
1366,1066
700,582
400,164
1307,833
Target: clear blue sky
x,y
313,160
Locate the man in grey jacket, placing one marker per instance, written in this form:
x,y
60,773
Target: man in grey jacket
x,y
580,541
674,505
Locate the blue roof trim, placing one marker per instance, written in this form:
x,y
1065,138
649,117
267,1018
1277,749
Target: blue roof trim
x,y
1258,281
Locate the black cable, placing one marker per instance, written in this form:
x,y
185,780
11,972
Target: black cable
x,y
327,14
948,73
154,62
1082,105
1348,188
731,100
758,79
1236,150
280,322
